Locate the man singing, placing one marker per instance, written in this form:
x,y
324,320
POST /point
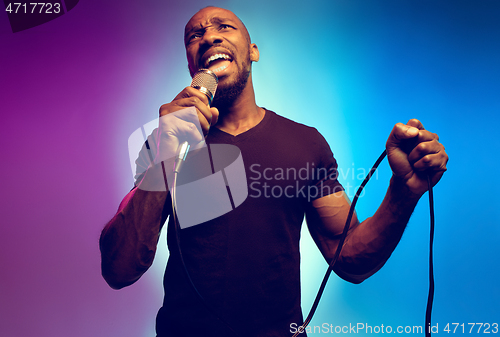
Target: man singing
x,y
246,262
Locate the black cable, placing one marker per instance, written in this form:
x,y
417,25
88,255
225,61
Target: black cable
x,y
181,256
430,297
339,247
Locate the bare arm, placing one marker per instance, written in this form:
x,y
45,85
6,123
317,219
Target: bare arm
x,y
128,242
369,244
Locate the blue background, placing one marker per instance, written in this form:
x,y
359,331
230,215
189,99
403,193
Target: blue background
x,y
74,89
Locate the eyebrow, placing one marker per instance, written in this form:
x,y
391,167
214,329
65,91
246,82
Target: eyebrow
x,y
198,27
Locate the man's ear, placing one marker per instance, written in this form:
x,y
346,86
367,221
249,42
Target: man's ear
x,y
254,52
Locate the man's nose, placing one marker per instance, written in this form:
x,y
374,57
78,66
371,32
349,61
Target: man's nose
x,y
212,37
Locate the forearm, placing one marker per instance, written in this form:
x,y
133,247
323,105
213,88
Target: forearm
x,y
128,242
369,245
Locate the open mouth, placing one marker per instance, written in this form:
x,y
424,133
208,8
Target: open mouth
x,y
218,62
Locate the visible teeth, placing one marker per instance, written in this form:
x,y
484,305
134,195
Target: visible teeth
x,y
216,57
219,69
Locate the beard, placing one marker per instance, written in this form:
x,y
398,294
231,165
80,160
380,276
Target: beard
x,y
226,96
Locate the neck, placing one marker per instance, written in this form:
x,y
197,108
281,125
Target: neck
x,y
243,114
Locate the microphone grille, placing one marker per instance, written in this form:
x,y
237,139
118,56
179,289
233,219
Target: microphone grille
x,y
205,81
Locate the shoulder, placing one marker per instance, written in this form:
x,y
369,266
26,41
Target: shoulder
x,y
280,123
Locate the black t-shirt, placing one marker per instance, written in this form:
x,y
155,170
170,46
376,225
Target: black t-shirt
x,y
246,263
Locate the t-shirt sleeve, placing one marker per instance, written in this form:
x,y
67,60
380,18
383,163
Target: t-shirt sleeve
x,y
326,180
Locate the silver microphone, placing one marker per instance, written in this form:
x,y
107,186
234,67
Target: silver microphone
x,y
206,82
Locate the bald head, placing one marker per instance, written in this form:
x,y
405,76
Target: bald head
x,y
210,15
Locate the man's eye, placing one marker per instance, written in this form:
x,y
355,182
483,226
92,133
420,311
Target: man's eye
x,y
194,36
221,27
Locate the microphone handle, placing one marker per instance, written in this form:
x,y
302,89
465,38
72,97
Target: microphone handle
x,y
181,156
205,81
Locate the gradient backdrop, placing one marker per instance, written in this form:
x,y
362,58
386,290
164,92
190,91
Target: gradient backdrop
x,y
74,89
